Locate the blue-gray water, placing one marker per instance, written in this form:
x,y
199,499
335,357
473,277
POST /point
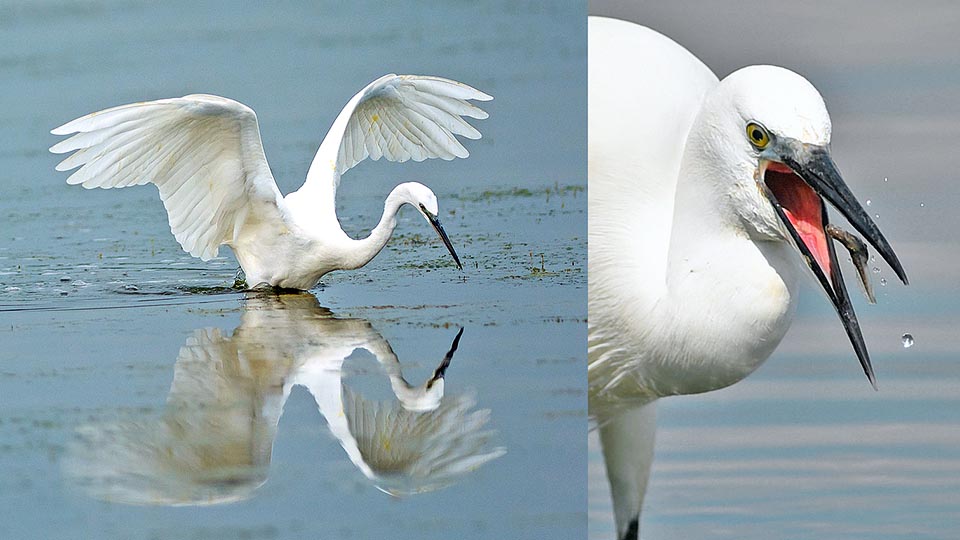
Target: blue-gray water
x,y
804,448
119,351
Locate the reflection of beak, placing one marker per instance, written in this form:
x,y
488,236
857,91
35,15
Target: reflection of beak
x,y
445,363
435,222
796,179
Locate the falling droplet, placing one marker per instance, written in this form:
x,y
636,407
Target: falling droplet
x,y
869,202
907,340
876,216
883,282
921,205
885,179
876,270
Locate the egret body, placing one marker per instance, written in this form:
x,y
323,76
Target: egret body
x,y
706,202
204,154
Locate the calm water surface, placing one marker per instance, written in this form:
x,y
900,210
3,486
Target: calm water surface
x,y
142,398
804,448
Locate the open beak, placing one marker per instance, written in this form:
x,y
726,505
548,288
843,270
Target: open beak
x,y
435,223
797,178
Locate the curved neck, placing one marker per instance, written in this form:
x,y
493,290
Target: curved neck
x,y
734,293
365,249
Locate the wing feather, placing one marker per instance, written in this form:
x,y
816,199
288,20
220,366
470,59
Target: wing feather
x,y
104,119
399,117
85,155
451,121
202,152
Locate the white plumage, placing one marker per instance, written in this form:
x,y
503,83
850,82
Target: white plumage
x,y
205,156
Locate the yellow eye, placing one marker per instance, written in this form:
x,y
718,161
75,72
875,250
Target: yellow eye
x,y
758,135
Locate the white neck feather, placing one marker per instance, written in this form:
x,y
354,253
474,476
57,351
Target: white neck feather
x,y
363,250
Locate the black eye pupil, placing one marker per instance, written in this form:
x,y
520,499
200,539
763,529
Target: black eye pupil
x,y
757,135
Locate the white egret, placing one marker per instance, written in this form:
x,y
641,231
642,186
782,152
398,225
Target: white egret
x,y
204,155
706,205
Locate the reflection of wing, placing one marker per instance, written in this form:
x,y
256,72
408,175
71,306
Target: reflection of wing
x,y
211,446
203,153
413,452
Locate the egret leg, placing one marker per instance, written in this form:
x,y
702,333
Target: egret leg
x,y
627,441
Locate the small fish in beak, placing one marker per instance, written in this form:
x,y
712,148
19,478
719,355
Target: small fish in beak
x,y
859,255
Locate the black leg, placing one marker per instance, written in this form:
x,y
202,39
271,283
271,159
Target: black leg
x,y
632,532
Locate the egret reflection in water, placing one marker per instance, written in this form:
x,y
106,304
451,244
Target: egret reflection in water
x,y
213,442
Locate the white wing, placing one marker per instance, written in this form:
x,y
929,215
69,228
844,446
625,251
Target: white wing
x,y
399,117
203,153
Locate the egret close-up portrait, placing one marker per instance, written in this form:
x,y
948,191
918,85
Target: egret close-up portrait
x,y
708,203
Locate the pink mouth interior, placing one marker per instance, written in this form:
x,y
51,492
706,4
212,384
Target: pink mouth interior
x,y
803,208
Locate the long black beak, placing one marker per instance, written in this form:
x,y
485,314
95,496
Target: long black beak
x,y
816,168
435,222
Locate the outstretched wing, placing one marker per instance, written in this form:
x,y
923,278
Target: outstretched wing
x,y
203,153
399,117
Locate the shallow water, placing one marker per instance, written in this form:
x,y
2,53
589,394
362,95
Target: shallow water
x,y
131,372
804,448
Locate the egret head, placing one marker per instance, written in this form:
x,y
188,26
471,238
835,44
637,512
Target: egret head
x,y
425,201
767,129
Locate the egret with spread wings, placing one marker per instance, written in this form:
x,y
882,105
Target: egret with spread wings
x,y
204,154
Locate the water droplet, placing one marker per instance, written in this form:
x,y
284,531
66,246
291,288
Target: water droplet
x,y
869,202
876,269
883,282
907,340
876,216
921,205
884,178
